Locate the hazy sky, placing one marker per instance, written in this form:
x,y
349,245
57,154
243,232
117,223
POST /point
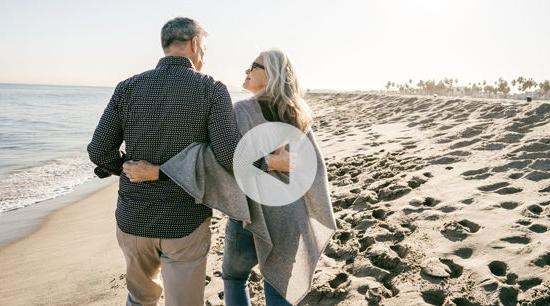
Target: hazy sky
x,y
333,44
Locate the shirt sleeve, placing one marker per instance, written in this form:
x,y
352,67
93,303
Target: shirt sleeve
x,y
222,126
104,148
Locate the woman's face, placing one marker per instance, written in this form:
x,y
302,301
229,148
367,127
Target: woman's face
x,y
256,77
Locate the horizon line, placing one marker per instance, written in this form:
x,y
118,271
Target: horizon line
x,y
229,86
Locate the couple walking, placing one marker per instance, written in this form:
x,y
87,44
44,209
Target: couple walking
x,y
180,131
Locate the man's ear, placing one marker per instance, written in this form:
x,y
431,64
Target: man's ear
x,y
195,44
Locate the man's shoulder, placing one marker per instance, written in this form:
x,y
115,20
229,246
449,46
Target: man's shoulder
x,y
128,82
209,81
199,79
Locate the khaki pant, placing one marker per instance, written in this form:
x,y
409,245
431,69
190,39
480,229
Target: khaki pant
x,y
181,261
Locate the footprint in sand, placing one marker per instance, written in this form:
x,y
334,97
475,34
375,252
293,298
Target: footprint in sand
x,y
426,202
434,296
464,252
339,281
528,283
479,174
493,187
444,160
517,239
533,146
516,175
465,301
524,222
490,146
459,153
537,176
445,140
401,250
509,190
538,228
489,285
421,204
508,295
384,257
458,231
415,182
509,205
466,143
510,137
543,260
498,268
500,188
512,165
441,268
541,164
532,211
472,131
447,209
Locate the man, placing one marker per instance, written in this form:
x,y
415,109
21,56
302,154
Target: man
x,y
157,114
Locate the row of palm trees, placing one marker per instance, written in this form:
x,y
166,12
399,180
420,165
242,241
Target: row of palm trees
x,y
449,86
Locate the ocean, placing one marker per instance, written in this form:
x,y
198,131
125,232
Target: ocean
x,y
44,131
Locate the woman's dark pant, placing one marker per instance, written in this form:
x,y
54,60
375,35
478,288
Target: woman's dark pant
x,y
238,260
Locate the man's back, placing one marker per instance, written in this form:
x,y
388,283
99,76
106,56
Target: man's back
x,y
158,113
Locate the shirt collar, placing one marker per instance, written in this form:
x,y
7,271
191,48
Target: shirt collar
x,y
175,60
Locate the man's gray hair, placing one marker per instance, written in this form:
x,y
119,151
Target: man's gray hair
x,y
180,29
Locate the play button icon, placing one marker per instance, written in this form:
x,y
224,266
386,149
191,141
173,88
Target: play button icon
x,y
274,188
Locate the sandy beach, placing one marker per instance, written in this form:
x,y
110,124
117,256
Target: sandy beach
x,y
439,201
72,259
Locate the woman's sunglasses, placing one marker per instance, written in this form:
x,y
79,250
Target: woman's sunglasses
x,y
256,65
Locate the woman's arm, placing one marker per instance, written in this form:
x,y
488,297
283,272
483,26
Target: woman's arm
x,y
143,171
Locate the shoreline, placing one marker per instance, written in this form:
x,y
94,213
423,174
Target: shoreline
x,y
18,224
71,255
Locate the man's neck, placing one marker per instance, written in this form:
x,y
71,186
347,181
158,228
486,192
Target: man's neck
x,y
180,53
176,51
175,54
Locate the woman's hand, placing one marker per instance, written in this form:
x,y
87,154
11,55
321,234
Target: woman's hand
x,y
140,171
279,161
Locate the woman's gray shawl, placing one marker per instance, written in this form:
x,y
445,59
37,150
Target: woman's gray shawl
x,y
289,239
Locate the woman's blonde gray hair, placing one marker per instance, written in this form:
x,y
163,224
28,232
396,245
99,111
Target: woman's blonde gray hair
x,y
283,90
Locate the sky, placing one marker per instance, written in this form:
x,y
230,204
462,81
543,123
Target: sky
x,y
341,45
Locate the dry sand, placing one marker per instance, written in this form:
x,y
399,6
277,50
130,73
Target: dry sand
x,y
439,201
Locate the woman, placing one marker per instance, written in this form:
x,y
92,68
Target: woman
x,y
272,80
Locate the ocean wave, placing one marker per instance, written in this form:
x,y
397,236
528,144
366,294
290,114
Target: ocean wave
x,y
54,178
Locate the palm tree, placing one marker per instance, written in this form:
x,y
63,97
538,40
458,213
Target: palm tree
x,y
476,88
421,85
502,86
519,82
529,83
488,89
449,83
545,88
